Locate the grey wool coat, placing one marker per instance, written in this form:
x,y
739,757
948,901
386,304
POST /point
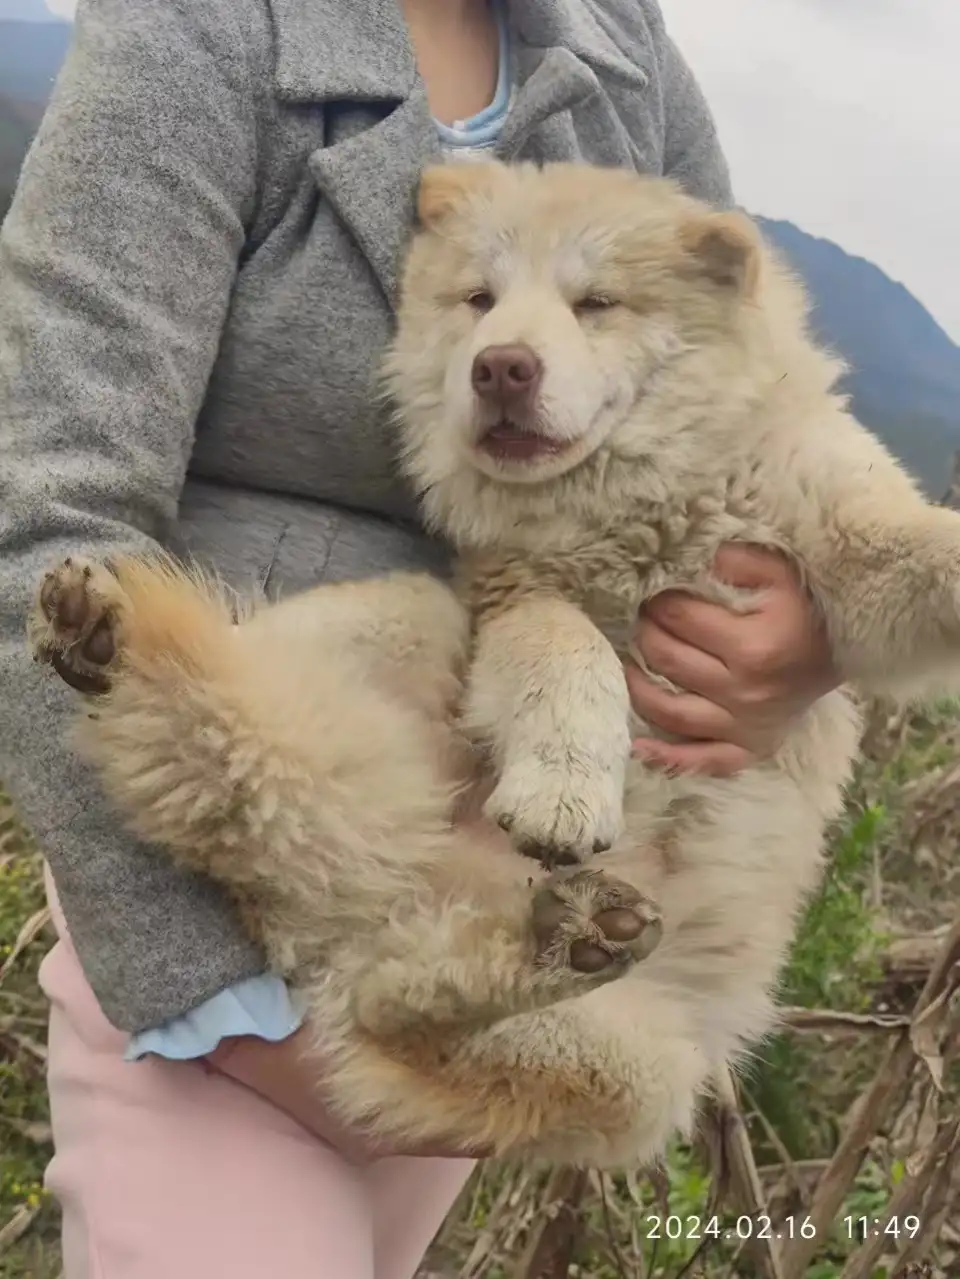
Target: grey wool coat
x,y
196,279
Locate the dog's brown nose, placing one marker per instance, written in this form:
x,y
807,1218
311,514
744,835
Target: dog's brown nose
x,y
507,375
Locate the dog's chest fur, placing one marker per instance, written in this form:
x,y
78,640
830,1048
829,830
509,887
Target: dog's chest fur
x,y
616,554
611,556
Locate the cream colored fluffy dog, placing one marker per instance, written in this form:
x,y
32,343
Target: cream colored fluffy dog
x,y
598,381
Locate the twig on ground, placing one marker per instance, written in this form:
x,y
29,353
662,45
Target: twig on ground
x,y
941,1198
28,933
17,1226
550,1246
906,1201
787,1165
734,1156
868,1115
827,1021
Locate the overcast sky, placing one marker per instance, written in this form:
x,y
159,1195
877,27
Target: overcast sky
x,y
841,115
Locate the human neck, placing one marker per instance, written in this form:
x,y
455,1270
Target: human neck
x,y
457,48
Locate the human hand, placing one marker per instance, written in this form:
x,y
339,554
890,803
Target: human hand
x,y
747,676
289,1075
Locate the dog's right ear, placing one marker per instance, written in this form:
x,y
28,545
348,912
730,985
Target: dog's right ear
x,y
445,188
726,249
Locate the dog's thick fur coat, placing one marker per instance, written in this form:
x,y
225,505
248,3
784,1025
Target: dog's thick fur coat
x,y
663,397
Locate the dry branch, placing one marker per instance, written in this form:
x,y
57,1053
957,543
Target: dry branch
x,y
28,933
549,1250
826,1021
868,1115
941,1199
17,1226
738,1168
908,960
907,1200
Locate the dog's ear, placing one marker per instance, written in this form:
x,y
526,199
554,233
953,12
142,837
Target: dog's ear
x,y
725,247
444,188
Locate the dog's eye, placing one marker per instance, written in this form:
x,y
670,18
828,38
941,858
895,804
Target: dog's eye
x,y
593,302
481,300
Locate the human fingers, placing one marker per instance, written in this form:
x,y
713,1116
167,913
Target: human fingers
x,y
777,648
751,567
684,664
712,759
684,714
702,624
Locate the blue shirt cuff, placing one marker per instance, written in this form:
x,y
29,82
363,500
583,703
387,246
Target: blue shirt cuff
x,y
261,1006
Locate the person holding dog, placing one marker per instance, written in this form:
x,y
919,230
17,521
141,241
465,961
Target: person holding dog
x,y
197,276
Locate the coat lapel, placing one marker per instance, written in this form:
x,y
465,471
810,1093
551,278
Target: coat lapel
x,y
568,57
550,82
356,60
369,173
582,28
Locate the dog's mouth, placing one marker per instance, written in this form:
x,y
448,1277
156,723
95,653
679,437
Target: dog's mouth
x,y
505,441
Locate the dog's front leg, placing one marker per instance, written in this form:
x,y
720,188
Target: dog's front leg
x,y
884,566
547,695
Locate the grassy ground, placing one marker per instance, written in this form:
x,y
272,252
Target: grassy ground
x,y
28,1220
865,948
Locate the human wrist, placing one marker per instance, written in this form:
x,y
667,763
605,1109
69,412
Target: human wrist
x,y
289,1075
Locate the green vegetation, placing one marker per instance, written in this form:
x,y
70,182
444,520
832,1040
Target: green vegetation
x,y
24,1132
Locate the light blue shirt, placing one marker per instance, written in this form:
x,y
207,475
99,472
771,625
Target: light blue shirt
x,y
480,132
263,1006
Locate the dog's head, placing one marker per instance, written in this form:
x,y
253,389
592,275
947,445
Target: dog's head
x,y
540,306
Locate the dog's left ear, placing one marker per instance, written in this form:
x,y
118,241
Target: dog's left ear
x,y
445,188
725,247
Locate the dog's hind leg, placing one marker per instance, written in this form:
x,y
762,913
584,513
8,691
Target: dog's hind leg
x,y
274,757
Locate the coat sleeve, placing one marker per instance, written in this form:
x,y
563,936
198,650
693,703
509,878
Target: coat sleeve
x,y
117,261
692,153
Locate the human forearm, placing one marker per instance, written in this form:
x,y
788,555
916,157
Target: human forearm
x,y
117,261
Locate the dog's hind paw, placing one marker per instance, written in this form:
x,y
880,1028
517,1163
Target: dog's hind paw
x,y
74,626
594,924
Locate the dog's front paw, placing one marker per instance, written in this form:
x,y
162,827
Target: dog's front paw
x,y
75,622
559,810
594,924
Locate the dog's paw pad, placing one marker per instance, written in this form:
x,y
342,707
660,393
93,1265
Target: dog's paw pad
x,y
100,646
75,623
65,597
593,923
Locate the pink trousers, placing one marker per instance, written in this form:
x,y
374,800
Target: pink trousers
x,y
166,1169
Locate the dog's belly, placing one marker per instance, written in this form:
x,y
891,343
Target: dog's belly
x,y
730,863
606,1078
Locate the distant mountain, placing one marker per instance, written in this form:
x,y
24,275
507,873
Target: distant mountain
x,y
30,57
17,126
905,383
16,129
905,380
